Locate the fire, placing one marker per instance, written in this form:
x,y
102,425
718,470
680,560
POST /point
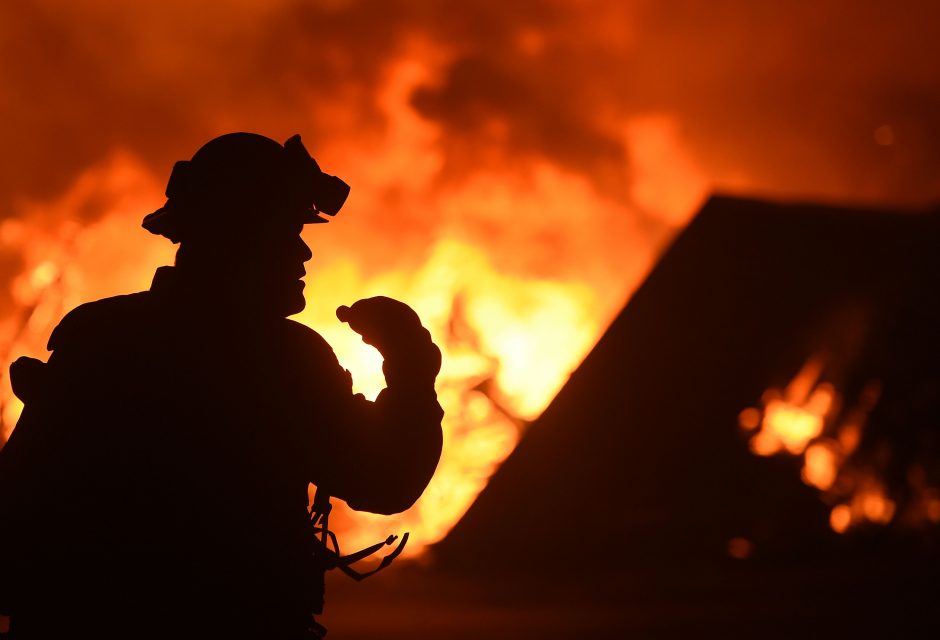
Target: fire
x,y
869,504
507,344
804,419
516,270
821,465
792,416
509,341
65,263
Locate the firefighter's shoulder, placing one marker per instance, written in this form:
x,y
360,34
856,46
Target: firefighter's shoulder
x,y
104,319
312,355
306,342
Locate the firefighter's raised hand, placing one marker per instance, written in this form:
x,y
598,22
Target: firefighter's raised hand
x,y
395,330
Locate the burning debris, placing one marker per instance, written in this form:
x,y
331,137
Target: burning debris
x,y
806,419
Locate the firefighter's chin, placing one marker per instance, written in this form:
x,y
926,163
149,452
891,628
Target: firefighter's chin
x,y
294,301
283,300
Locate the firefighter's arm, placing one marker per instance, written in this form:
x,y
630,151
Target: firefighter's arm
x,y
33,453
385,452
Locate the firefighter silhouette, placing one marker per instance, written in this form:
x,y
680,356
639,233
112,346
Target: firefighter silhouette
x,y
156,482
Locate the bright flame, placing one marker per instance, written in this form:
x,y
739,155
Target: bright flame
x,y
491,380
796,419
840,518
794,416
516,270
870,503
821,465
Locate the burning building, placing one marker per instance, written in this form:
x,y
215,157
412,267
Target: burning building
x,y
651,436
640,462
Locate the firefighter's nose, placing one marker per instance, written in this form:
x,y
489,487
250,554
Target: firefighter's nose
x,y
306,253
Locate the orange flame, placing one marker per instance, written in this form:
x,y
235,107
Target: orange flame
x,y
794,416
514,298
794,420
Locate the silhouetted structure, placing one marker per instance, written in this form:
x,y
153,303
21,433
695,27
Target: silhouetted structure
x,y
156,483
639,468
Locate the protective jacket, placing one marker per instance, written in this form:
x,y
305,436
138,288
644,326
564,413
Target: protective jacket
x,y
156,484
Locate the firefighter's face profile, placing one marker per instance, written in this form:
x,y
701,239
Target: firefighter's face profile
x,y
282,253
269,263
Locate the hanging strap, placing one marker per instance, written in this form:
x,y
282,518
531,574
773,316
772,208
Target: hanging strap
x,y
328,546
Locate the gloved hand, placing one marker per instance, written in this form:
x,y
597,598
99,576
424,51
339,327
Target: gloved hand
x,y
395,330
